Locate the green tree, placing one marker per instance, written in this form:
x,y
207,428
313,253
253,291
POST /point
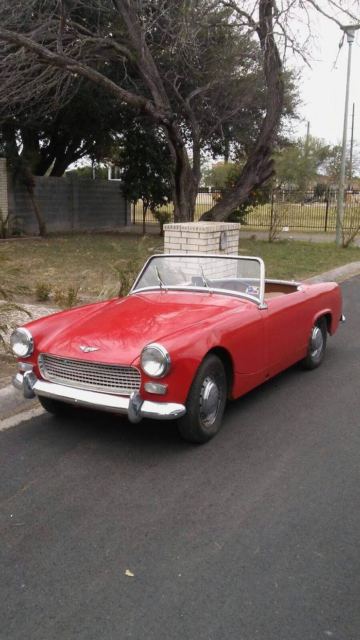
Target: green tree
x,y
38,142
181,63
222,174
48,141
332,164
298,164
157,57
144,163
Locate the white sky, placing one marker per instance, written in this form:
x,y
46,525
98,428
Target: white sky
x,y
322,88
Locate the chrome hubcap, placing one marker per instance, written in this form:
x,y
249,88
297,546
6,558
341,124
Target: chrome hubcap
x,y
317,342
209,401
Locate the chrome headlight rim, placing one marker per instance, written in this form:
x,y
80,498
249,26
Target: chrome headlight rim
x,y
29,342
165,364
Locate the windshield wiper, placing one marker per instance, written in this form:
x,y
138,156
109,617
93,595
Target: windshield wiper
x,y
203,277
162,284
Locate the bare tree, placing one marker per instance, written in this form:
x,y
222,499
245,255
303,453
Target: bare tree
x,y
158,57
275,28
126,47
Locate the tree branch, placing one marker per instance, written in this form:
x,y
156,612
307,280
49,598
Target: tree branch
x,y
76,67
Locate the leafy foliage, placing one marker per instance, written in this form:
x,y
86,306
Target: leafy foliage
x,y
159,58
223,176
163,217
145,166
332,163
297,164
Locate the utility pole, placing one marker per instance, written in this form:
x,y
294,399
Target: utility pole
x,y
349,30
351,148
305,177
307,140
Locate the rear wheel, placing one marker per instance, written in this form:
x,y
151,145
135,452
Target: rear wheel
x,y
317,345
206,402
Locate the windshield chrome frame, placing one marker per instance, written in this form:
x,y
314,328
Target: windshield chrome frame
x,y
258,300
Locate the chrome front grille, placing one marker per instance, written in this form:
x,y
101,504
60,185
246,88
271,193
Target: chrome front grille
x,y
106,378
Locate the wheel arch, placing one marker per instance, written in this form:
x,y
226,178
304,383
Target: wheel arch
x,y
226,359
328,317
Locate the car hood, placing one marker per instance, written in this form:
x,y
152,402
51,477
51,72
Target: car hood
x,y
119,329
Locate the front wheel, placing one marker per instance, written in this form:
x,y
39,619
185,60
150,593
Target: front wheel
x,y
317,345
206,402
56,407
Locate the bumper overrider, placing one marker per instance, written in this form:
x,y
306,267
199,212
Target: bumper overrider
x,y
133,406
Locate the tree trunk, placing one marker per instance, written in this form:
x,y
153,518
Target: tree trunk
x,y
38,215
185,180
184,193
144,212
21,172
259,166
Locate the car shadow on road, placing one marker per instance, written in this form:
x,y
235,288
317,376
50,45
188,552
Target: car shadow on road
x,y
113,432
116,430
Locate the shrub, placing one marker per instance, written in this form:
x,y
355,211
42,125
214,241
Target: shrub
x,y
66,298
352,229
126,276
42,291
163,217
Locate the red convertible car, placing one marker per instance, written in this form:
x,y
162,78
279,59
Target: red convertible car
x,y
194,331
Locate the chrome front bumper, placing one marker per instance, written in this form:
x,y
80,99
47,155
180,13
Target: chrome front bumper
x,y
134,407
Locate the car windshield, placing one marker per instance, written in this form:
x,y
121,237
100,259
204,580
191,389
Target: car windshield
x,y
233,274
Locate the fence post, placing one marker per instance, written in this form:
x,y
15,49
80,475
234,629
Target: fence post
x,y
272,209
327,209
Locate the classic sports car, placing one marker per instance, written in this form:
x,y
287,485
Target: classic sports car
x,y
194,331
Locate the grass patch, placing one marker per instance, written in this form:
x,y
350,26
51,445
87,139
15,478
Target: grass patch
x,y
290,259
93,265
88,264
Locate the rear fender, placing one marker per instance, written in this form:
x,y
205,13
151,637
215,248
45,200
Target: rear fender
x,y
327,313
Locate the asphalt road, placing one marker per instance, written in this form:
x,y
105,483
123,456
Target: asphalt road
x,y
253,536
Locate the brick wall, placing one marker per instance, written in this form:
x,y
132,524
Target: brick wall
x,y
69,204
207,238
202,237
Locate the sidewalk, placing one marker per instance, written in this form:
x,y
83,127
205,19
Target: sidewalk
x,y
258,234
294,235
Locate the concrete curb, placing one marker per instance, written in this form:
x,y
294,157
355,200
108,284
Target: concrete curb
x,y
337,275
12,401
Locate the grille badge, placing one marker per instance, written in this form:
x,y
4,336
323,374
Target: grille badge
x,y
87,349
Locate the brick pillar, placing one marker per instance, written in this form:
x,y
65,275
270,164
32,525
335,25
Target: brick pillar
x,y
202,237
4,205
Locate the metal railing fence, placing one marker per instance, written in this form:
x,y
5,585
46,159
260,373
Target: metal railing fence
x,y
289,209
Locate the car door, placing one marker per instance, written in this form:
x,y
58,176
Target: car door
x,y
286,330
246,341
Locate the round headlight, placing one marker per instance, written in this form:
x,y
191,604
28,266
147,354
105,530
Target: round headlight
x,y
22,343
155,360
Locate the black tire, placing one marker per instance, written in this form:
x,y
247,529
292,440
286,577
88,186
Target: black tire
x,y
209,386
56,407
317,345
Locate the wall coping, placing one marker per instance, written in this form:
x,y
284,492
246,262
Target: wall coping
x,y
202,227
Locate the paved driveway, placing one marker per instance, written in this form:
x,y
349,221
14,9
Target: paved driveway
x,y
111,531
